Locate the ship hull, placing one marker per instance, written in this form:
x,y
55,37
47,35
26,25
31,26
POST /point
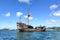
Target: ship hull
x,y
22,27
31,30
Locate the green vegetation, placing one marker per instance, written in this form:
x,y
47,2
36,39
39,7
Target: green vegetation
x,y
5,29
54,28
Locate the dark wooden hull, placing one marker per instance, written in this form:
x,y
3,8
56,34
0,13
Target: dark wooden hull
x,y
22,27
31,30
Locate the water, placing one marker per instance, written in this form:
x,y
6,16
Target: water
x,y
15,35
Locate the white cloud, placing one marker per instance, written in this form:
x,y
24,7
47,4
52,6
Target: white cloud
x,y
56,13
51,21
19,14
24,1
30,18
54,6
25,16
7,14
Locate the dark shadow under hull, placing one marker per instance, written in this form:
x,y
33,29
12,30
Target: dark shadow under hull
x,y
31,30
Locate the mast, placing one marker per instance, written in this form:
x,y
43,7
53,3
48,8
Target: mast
x,y
28,14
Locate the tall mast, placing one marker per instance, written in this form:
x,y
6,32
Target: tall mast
x,y
28,14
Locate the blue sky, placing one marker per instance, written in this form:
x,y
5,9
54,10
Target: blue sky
x,y
43,12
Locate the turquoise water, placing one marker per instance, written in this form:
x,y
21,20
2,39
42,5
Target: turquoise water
x,y
15,35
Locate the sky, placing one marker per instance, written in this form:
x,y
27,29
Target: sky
x,y
43,12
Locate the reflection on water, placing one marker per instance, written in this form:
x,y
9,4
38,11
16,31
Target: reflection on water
x,y
15,35
31,36
48,35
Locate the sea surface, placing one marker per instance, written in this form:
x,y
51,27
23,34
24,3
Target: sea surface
x,y
15,35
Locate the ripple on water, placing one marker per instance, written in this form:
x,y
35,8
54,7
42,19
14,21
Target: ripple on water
x,y
14,35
